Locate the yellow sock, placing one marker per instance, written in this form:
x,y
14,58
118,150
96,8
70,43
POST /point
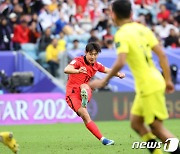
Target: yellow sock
x,y
157,151
150,136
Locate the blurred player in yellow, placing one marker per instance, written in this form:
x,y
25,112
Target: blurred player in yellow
x,y
134,44
7,139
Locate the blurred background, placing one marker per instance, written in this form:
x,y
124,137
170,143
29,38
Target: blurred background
x,y
38,38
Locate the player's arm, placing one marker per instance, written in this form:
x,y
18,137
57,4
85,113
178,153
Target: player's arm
x,y
69,69
119,63
118,74
163,61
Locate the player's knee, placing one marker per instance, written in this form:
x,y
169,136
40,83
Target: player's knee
x,y
156,125
154,128
85,86
85,117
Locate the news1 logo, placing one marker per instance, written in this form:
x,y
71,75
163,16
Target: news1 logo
x,y
171,144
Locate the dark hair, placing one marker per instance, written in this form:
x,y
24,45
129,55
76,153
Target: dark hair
x,y
122,8
75,40
93,46
109,41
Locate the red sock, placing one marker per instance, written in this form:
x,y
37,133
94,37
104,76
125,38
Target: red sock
x,y
94,129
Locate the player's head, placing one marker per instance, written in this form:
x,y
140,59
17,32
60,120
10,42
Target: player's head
x,y
121,9
92,51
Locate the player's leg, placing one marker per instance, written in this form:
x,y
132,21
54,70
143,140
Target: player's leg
x,y
91,126
74,101
7,139
160,113
162,133
85,94
137,122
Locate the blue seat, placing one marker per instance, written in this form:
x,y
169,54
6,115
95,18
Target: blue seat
x,y
30,49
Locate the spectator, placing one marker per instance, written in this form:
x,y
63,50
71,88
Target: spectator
x,y
75,45
81,3
177,17
37,5
75,26
15,2
53,6
104,4
61,43
96,13
61,12
13,20
67,9
5,35
28,7
45,40
163,14
85,22
79,14
71,8
109,45
170,6
108,36
21,34
172,40
93,37
33,34
142,10
35,19
45,18
164,28
60,25
5,8
52,57
149,19
147,2
18,10
104,20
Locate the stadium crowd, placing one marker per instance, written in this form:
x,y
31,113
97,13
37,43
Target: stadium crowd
x,y
47,28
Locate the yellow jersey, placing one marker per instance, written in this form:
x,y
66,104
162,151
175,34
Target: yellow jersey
x,y
61,45
52,53
137,41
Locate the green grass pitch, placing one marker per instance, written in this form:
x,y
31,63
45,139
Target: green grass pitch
x,y
76,139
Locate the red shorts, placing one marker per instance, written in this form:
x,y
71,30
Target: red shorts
x,y
74,99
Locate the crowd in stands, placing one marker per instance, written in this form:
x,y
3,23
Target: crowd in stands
x,y
47,28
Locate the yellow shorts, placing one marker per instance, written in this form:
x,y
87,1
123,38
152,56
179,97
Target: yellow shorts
x,y
150,107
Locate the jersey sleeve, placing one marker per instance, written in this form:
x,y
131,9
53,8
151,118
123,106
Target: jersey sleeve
x,y
121,43
75,63
101,67
152,40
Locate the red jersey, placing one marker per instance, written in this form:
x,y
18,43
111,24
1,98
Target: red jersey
x,y
21,34
75,80
164,15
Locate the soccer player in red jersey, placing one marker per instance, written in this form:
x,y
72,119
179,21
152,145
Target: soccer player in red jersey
x,y
78,91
